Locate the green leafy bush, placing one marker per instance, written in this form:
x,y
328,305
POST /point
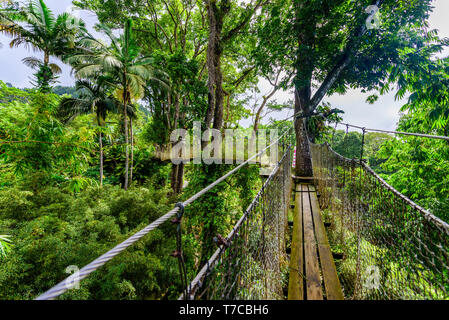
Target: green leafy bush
x,y
53,230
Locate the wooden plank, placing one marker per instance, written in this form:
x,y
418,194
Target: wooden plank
x,y
313,279
320,231
296,279
331,283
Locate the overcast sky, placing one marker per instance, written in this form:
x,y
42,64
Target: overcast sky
x,y
384,114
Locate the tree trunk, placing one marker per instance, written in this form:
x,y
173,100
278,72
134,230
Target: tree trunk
x,y
46,59
219,94
303,88
132,151
215,82
177,177
46,75
303,155
100,140
125,122
259,111
210,61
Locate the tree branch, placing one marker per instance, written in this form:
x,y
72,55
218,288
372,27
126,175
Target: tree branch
x,y
342,63
249,12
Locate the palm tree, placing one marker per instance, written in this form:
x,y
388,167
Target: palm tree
x,y
122,60
93,98
37,28
6,12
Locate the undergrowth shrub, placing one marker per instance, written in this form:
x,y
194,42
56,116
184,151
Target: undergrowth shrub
x,y
52,230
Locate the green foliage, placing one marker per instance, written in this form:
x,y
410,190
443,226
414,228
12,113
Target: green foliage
x,y
62,90
122,62
316,125
53,230
329,47
349,145
217,211
419,167
186,96
31,137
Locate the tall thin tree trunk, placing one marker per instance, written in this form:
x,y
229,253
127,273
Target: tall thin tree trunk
x,y
125,121
180,178
259,112
132,151
44,85
100,140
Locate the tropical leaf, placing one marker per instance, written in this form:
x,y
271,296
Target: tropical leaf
x,y
5,245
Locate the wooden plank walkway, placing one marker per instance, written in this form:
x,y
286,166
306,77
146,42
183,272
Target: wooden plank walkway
x,y
313,275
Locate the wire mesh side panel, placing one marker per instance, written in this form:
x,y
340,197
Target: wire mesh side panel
x,y
392,248
249,265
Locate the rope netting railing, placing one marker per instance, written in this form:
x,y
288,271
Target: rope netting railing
x,y
250,263
392,248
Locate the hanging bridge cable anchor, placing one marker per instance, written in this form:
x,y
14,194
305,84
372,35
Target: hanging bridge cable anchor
x,y
221,241
181,210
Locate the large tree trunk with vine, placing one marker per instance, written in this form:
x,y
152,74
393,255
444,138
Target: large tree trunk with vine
x,y
303,90
304,103
303,155
215,82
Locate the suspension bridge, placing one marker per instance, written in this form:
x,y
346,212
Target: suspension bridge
x,y
342,234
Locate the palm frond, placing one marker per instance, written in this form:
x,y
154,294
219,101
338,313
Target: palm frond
x,y
70,108
55,68
93,98
88,71
5,243
32,62
48,19
115,42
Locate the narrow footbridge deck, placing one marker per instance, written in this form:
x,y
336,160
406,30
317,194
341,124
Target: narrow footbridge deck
x,y
313,275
